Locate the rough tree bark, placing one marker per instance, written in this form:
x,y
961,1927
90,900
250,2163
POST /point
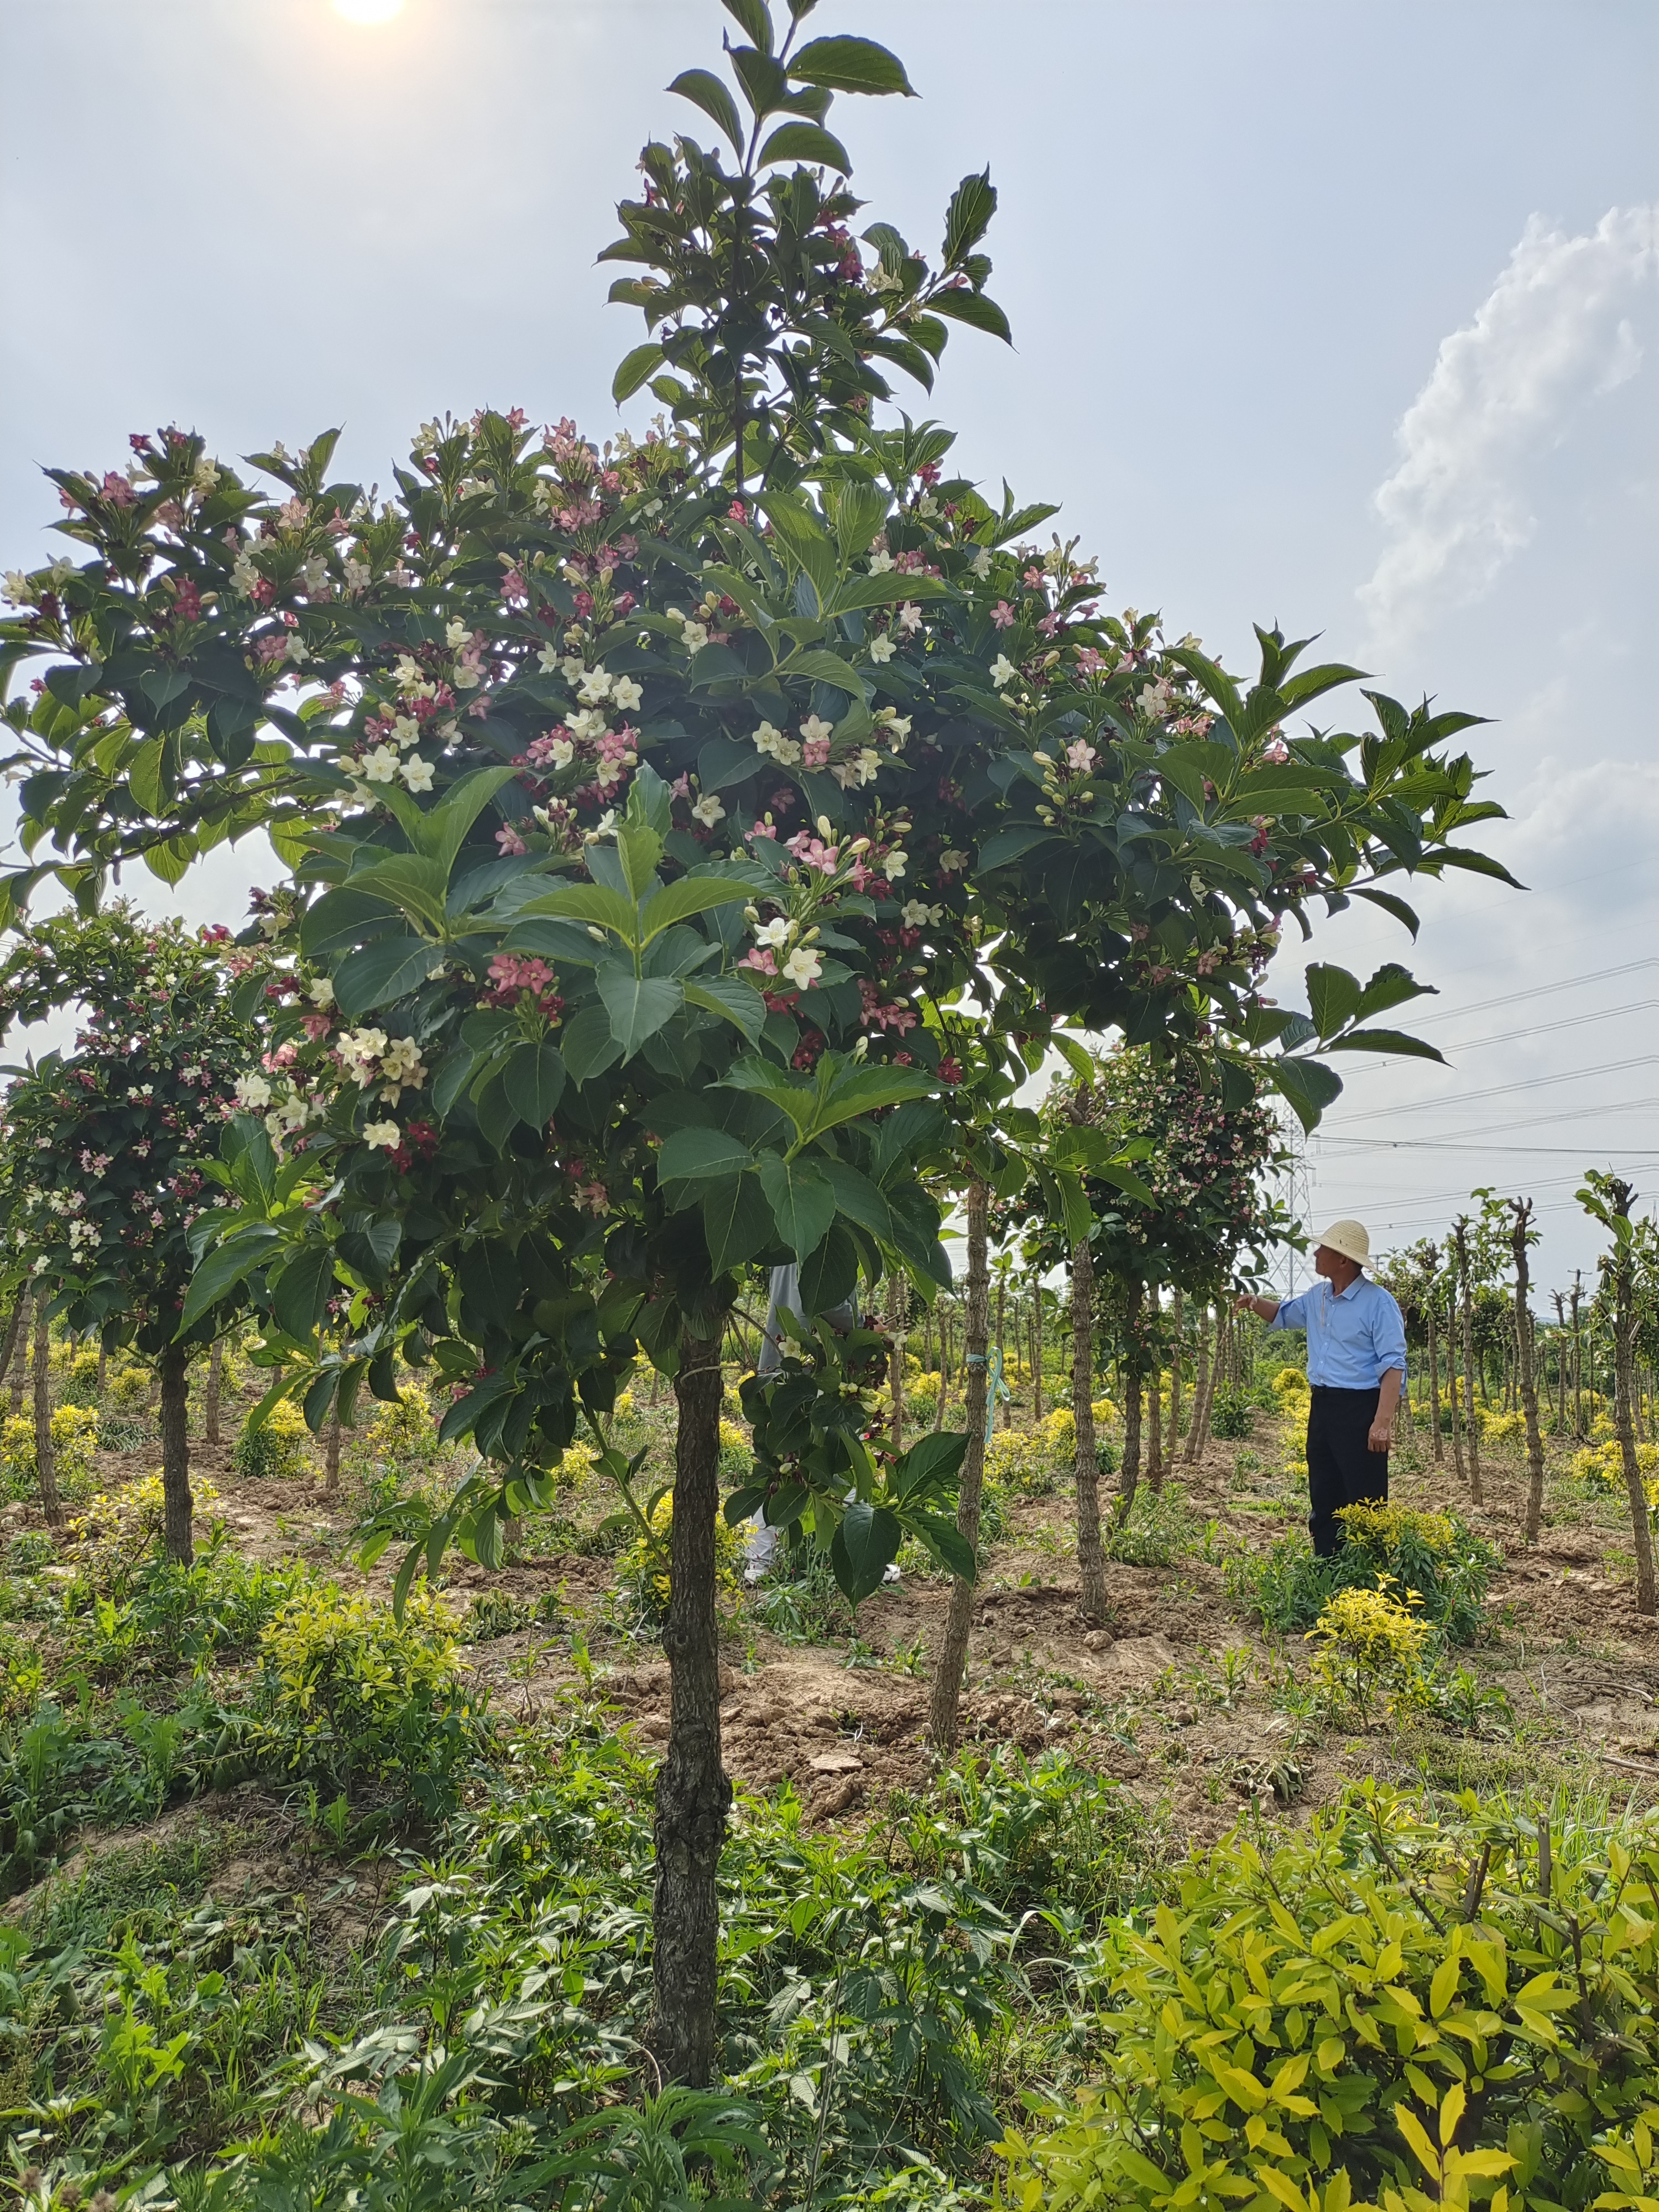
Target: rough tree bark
x,y
1201,1388
898,1314
174,1374
943,1720
1524,1371
210,1394
1175,1383
1434,1386
20,1364
1471,1426
332,1451
693,1794
1091,1573
1155,1400
45,1466
1624,1333
1128,1479
16,1334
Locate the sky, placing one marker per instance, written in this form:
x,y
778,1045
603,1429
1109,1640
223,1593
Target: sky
x,y
1340,315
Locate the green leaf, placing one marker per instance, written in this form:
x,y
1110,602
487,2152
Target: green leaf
x,y
931,1464
635,369
680,901
857,1197
963,305
1332,997
755,22
1476,864
381,972
144,776
534,1082
1386,1041
417,885
171,859
300,1294
825,668
698,1154
737,1223
846,64
969,216
590,902
587,1044
705,90
830,1277
806,142
737,1002
441,832
491,1280
864,1547
342,919
638,1006
1389,904
1307,1084
1391,986
803,1204
226,1266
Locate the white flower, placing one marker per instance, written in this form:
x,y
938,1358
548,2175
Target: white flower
x,y
952,862
252,1091
417,772
814,731
595,686
456,633
773,743
1080,755
244,575
1154,700
574,665
981,563
863,767
321,993
909,618
803,967
405,732
19,590
893,865
401,1062
547,658
408,675
381,1136
359,1050
561,753
882,650
775,932
896,726
696,636
917,913
297,651
625,693
204,476
381,765
588,723
880,562
357,574
708,811
1003,672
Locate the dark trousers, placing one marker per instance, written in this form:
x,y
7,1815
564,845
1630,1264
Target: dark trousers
x,y
1342,1469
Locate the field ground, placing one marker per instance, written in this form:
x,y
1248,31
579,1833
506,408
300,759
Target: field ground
x,y
1192,1714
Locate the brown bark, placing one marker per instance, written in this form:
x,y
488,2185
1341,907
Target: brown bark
x,y
1471,1426
1524,1372
1155,1402
210,1394
1434,1387
16,1334
693,1794
1620,1195
944,1724
45,1466
1175,1383
20,1364
332,1451
1128,1480
1201,1388
177,1505
1092,1574
1036,1351
898,1314
1452,1392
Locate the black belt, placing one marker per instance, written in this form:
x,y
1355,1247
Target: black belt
x,y
1331,1390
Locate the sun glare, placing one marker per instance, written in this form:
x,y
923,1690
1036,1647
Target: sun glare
x,y
368,11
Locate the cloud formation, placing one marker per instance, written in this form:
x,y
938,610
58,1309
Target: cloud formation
x,y
1555,331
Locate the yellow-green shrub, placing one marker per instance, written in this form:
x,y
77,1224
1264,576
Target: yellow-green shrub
x,y
1017,1461
129,1387
1302,2033
80,1385
1371,1648
1291,1383
348,1692
116,1528
277,1452
1501,1428
642,1567
1603,1465
74,1440
405,1431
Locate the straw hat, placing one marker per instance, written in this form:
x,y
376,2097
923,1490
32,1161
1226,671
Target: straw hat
x,y
1349,1238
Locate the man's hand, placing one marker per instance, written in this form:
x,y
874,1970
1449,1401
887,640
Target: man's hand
x,y
1388,1397
1381,1433
1263,1309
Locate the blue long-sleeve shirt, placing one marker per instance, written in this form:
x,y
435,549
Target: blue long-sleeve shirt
x,y
1354,1337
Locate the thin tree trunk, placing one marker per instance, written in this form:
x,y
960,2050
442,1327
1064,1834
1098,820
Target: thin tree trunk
x,y
1002,1357
1434,1386
898,1314
173,1375
210,1394
103,1366
20,1364
1128,1479
1525,1376
1647,1601
1578,1365
332,1451
944,1716
1472,1430
1174,1384
693,1794
16,1334
44,1468
1452,1389
1036,1353
1091,1575
1155,1395
1216,1376
1200,1388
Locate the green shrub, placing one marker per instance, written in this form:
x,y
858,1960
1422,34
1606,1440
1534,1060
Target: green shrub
x,y
129,1388
348,1693
1160,1528
81,1381
1435,1554
277,1452
1230,1414
1315,2020
74,1440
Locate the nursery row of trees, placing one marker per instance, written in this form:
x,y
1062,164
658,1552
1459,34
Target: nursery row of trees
x,y
694,842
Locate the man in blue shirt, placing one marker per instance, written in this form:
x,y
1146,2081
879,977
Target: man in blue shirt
x,y
1356,1371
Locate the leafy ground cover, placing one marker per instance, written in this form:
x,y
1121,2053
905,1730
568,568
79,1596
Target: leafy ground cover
x,y
310,1907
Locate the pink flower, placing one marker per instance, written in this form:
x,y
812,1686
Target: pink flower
x,y
315,1025
681,786
815,752
762,829
1089,662
592,1197
1050,624
761,958
812,852
1278,752
1003,615
118,491
511,843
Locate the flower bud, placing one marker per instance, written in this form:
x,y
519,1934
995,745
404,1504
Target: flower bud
x,y
824,830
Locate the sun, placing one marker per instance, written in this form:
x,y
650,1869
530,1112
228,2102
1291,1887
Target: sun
x,y
368,11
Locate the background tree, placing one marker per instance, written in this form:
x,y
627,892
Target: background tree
x,y
1521,1236
1608,1199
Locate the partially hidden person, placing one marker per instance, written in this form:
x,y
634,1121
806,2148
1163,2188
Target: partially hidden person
x,y
1356,1372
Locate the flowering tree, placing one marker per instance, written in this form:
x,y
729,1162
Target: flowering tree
x,y
665,816
109,1151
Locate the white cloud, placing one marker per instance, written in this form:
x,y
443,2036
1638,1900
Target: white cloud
x,y
1554,331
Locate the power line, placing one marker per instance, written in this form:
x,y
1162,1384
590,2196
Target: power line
x,y
1507,1090
1540,991
1544,1029
1639,1153
1501,1128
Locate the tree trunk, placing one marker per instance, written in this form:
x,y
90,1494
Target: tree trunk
x,y
1647,1601
20,1365
45,1470
1091,1575
1036,1353
15,1342
1002,1357
1471,1427
332,1451
174,1379
1434,1386
1526,1379
1155,1399
944,1716
898,1314
1174,1385
1200,1388
693,1794
210,1394
1128,1479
